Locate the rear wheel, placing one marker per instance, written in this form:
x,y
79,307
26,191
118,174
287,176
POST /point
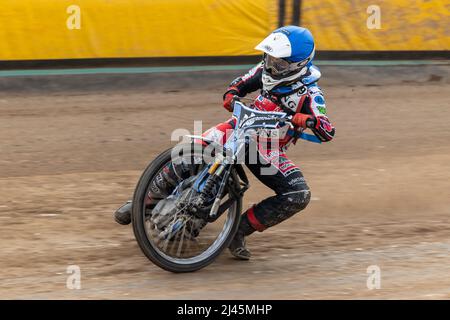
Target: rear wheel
x,y
181,242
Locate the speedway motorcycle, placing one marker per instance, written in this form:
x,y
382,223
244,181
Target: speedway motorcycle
x,y
187,229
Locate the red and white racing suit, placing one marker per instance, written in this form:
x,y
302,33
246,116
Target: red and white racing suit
x,y
292,194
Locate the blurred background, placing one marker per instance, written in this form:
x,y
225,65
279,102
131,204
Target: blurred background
x,y
91,90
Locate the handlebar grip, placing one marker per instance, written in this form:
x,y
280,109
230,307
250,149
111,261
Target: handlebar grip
x,y
234,99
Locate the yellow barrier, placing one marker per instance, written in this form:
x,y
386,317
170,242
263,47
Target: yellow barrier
x,y
39,29
74,29
404,24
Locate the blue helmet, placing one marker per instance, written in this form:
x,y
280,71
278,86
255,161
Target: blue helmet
x,y
287,53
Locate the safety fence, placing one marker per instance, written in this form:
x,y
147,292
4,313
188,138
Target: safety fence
x,y
80,29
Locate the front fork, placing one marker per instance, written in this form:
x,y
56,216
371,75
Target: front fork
x,y
221,170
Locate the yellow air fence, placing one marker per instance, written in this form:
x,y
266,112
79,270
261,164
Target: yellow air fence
x,y
77,29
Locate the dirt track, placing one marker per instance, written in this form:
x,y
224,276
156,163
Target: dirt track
x,y
71,154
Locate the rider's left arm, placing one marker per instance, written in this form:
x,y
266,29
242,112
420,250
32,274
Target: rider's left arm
x,y
322,127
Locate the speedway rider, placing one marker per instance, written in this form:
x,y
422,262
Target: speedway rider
x,y
287,81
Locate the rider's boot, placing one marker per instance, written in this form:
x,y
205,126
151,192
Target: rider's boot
x,y
237,246
123,214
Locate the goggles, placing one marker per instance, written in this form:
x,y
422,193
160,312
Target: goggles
x,y
280,66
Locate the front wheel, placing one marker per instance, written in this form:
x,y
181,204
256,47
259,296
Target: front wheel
x,y
185,251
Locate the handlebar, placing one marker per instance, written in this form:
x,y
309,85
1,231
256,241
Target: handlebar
x,y
284,119
281,119
310,123
235,98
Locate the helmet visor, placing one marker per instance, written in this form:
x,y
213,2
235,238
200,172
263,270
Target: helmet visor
x,y
281,67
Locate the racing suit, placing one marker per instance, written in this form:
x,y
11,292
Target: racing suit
x,y
292,193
